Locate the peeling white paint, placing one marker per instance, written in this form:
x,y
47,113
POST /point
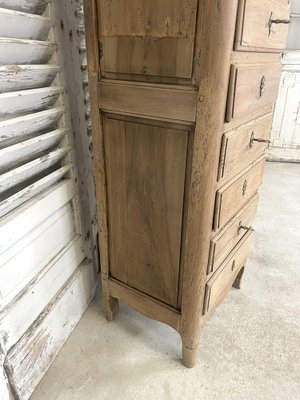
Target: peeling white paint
x,y
20,77
20,51
45,284
31,6
40,344
16,24
25,101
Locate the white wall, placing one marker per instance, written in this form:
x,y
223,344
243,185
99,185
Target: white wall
x,y
285,136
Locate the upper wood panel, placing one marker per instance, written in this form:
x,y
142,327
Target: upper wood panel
x,y
147,38
262,25
145,185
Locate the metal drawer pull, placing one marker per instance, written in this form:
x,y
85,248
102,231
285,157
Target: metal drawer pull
x,y
262,85
233,266
245,185
276,21
259,140
244,227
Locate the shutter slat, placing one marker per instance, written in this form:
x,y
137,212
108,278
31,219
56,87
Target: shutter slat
x,y
15,129
24,172
28,100
57,271
40,230
39,345
29,192
59,227
23,220
21,152
21,51
20,77
21,25
29,119
31,6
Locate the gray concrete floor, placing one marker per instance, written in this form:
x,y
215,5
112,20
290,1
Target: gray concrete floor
x,y
250,347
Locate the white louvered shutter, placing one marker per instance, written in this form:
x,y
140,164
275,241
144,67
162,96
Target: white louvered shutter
x,y
31,109
46,281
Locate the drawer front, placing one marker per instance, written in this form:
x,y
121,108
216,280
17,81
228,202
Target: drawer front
x,y
220,283
222,244
262,25
233,196
243,145
251,88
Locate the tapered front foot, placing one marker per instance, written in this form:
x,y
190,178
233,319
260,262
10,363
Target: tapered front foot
x,y
189,356
110,304
111,308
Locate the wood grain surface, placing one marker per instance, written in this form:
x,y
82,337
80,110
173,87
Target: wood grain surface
x,y
253,30
238,149
147,38
245,93
145,181
232,196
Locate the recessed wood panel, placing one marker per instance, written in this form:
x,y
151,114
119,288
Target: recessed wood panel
x,y
147,37
145,182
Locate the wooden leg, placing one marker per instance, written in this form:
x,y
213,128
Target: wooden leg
x,y
189,356
190,337
111,308
238,280
110,304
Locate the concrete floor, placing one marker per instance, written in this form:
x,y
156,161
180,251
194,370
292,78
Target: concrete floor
x,y
250,348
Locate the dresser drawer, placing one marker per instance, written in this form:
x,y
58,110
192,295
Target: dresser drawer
x,y
262,25
222,244
243,145
220,283
233,196
251,87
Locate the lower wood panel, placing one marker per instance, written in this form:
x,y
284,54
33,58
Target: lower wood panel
x,y
145,182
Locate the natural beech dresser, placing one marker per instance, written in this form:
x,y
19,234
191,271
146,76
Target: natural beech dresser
x,y
182,94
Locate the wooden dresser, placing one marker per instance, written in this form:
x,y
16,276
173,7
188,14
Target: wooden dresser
x,y
182,95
